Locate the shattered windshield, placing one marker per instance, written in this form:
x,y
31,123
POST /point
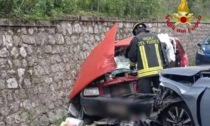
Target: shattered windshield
x,y
122,62
120,59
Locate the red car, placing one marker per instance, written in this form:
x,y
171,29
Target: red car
x,y
101,87
181,56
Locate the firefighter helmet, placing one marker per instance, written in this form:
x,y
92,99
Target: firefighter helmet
x,y
136,26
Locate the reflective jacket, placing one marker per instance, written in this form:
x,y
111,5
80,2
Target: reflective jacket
x,y
145,50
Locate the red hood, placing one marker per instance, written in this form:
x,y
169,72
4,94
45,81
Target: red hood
x,y
123,42
99,62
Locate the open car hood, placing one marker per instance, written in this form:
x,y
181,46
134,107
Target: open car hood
x,y
99,62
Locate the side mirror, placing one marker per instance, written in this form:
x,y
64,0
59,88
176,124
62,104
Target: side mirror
x,y
199,44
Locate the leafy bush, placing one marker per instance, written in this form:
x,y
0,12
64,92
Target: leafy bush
x,y
42,9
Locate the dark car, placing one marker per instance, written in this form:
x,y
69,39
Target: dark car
x,y
203,53
191,85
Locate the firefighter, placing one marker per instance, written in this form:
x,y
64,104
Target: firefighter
x,y
145,51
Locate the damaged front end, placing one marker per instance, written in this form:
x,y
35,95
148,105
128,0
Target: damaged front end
x,y
131,108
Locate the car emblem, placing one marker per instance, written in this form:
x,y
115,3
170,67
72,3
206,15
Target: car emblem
x,y
183,16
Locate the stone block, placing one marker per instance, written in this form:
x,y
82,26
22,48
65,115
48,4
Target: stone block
x,y
40,110
77,28
21,72
27,83
22,94
31,31
14,107
3,63
4,53
28,39
29,49
69,28
4,111
14,52
16,40
26,104
23,30
2,124
59,39
24,63
24,116
52,117
34,122
90,29
7,41
48,80
41,38
12,83
43,120
48,49
51,39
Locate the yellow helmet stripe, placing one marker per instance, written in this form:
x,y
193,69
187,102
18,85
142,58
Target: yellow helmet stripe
x,y
136,25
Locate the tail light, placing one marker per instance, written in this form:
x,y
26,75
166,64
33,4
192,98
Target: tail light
x,y
184,61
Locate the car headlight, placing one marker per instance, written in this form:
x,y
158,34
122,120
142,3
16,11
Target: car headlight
x,y
201,52
93,91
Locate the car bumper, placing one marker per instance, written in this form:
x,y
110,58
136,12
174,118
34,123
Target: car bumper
x,y
101,106
202,59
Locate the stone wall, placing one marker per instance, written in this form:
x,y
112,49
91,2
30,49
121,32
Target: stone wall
x,y
40,60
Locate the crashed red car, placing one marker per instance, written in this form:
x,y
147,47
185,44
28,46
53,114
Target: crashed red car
x,y
105,92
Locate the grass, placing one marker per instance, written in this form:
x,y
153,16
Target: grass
x,y
59,121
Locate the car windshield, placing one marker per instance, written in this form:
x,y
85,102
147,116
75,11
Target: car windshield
x,y
207,41
122,62
120,59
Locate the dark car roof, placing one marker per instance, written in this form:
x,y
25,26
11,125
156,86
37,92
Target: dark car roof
x,y
185,71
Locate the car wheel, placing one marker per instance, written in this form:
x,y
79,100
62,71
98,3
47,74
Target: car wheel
x,y
177,115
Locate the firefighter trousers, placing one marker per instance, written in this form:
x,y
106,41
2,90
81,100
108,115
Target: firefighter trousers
x,y
145,84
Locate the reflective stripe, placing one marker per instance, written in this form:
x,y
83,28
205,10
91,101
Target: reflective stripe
x,y
132,63
147,73
136,25
150,69
143,57
158,54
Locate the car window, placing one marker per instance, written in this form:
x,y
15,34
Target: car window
x,y
207,41
179,44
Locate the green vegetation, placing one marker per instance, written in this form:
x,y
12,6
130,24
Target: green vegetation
x,y
46,9
60,120
30,114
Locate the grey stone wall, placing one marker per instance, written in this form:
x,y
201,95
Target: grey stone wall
x,y
40,60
